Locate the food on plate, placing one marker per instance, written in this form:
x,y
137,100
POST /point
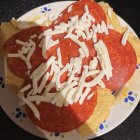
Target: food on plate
x,y
66,71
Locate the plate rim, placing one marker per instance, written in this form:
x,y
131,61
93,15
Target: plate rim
x,y
111,128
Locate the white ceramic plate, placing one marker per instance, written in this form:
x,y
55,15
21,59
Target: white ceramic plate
x,y
9,100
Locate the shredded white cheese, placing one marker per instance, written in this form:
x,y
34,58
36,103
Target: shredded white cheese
x,y
104,27
43,82
70,96
45,43
60,73
22,43
80,33
84,95
33,36
50,85
86,9
91,18
104,58
81,84
53,43
29,57
25,88
31,106
88,35
93,64
70,8
94,37
124,38
59,57
81,44
90,96
101,84
95,81
59,100
47,98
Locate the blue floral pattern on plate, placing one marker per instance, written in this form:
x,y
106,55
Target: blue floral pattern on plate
x,y
103,125
2,85
46,9
130,97
19,114
57,134
138,66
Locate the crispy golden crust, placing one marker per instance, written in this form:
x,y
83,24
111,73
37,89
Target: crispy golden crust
x,y
113,20
12,79
102,110
8,29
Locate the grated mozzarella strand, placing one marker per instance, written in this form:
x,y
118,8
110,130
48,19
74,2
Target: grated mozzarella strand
x,y
19,42
59,100
59,57
31,106
70,97
93,64
81,84
90,96
29,57
25,88
104,58
43,82
50,85
45,43
86,9
81,44
94,37
92,73
124,38
70,8
84,95
60,73
101,84
95,81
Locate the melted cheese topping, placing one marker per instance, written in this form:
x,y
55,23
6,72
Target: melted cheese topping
x,y
19,42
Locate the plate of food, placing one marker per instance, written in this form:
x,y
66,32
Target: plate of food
x,y
69,70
